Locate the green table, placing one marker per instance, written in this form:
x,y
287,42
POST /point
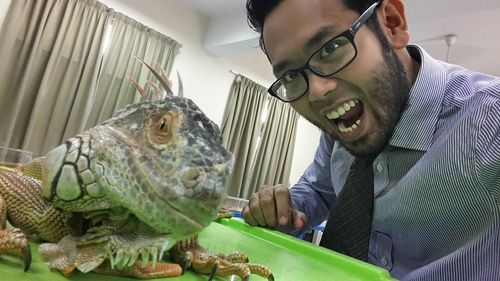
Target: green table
x,y
288,258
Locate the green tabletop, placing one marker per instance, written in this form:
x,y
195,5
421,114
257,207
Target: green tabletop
x,y
288,258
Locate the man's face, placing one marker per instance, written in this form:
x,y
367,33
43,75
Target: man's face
x,y
360,105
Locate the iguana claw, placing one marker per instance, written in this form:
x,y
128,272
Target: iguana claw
x,y
13,241
213,272
27,257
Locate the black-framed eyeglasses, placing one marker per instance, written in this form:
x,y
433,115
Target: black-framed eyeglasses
x,y
332,57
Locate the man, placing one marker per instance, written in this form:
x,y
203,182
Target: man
x,y
433,129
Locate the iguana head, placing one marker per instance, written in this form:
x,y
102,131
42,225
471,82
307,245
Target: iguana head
x,y
162,162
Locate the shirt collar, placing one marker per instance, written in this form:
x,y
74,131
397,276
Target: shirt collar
x,y
416,127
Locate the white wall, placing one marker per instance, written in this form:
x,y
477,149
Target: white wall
x,y
305,146
229,34
4,7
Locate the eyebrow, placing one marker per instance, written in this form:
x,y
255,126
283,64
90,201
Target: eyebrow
x,y
311,43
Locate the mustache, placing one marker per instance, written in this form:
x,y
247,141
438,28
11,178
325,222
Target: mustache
x,y
329,98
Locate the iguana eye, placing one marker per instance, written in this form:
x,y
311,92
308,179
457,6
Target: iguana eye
x,y
161,125
163,128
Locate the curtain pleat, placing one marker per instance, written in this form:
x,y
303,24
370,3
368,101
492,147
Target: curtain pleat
x,y
262,149
273,158
241,128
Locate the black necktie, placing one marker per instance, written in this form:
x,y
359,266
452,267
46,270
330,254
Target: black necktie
x,y
349,225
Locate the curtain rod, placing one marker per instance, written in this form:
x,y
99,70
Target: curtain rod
x,y
235,73
238,76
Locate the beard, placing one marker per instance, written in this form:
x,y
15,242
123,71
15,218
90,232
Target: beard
x,y
388,92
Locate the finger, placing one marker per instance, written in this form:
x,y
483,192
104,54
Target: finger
x,y
283,204
299,220
256,211
268,206
247,216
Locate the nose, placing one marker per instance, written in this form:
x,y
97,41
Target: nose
x,y
191,178
320,86
221,169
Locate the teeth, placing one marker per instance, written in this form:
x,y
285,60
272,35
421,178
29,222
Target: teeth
x,y
341,110
111,259
133,258
352,128
163,249
333,115
145,257
120,255
125,260
154,255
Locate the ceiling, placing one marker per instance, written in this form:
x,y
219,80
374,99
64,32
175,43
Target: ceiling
x,y
476,25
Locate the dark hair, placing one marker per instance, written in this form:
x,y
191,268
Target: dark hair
x,y
257,11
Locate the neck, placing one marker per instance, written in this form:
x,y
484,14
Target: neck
x,y
411,66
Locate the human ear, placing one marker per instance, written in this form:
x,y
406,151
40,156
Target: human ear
x,y
393,21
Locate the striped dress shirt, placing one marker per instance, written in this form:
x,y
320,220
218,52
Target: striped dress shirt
x,y
437,183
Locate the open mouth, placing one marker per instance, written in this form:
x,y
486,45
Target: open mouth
x,y
347,117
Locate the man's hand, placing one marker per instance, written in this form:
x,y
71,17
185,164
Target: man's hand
x,y
272,207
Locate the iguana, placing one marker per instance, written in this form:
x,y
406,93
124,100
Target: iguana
x,y
115,198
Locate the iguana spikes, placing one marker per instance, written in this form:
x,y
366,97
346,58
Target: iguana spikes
x,y
154,88
163,74
138,87
180,92
163,82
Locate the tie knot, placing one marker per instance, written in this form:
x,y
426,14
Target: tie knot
x,y
362,163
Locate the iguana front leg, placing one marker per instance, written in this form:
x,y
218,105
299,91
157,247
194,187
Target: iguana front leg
x,y
189,254
12,240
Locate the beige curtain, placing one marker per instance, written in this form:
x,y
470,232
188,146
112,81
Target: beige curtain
x,y
128,38
241,127
57,75
263,149
49,60
273,158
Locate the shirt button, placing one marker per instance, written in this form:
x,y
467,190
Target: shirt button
x,y
384,261
380,168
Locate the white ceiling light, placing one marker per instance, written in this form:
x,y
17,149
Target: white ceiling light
x,y
450,39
